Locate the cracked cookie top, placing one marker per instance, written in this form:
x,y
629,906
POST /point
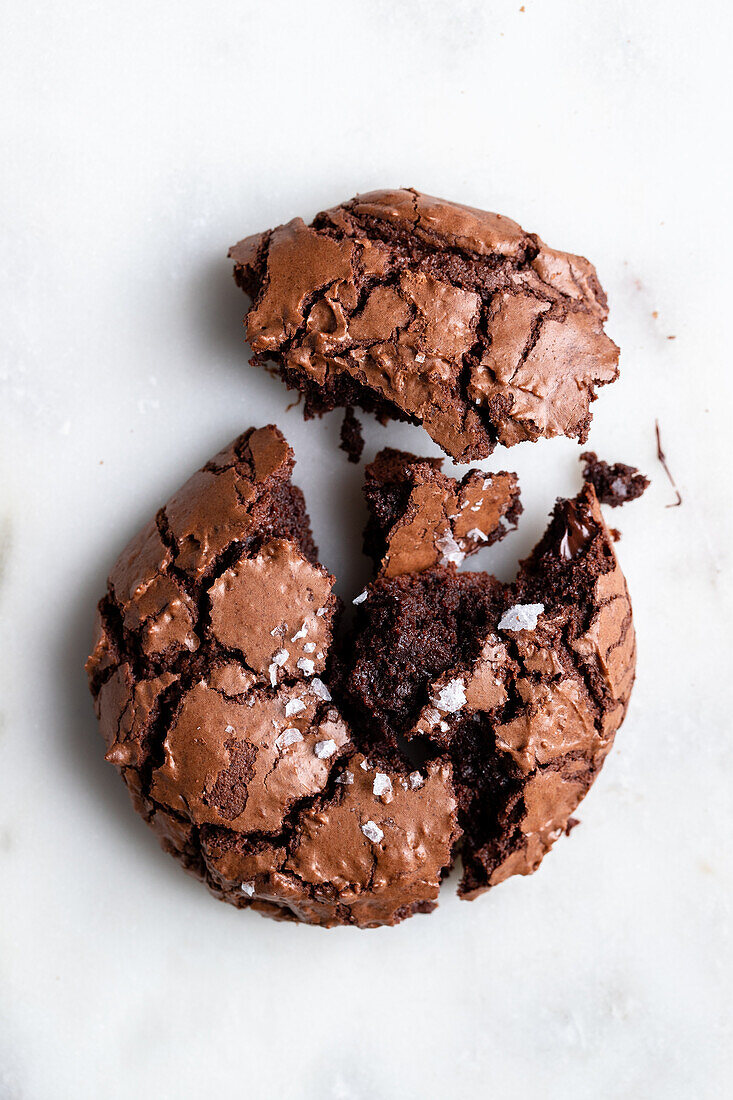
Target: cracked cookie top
x,y
421,309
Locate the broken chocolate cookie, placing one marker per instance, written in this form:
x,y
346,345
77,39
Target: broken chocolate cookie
x,y
415,308
334,776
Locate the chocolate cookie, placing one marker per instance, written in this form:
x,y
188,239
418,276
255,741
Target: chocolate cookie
x,y
420,309
333,776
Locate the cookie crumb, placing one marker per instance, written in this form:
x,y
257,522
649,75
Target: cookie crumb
x,y
352,439
614,484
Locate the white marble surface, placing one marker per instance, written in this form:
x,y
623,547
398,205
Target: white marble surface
x,y
140,140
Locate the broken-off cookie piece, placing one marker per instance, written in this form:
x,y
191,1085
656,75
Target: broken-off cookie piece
x,y
419,309
522,687
419,517
614,484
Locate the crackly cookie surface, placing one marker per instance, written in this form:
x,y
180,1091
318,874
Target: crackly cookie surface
x,y
422,309
334,778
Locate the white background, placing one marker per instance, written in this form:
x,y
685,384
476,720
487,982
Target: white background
x,y
141,139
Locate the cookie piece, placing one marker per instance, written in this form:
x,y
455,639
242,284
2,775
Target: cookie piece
x,y
415,308
419,517
614,485
331,777
209,649
521,687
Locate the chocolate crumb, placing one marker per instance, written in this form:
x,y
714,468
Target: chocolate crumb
x,y
616,484
663,460
572,822
352,440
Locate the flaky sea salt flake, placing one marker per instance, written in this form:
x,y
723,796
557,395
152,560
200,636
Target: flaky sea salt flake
x,y
451,697
288,737
294,706
248,888
451,551
382,784
306,666
372,832
478,534
324,749
522,616
319,688
360,598
416,781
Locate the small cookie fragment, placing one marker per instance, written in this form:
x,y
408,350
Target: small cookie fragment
x,y
419,517
614,484
352,439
